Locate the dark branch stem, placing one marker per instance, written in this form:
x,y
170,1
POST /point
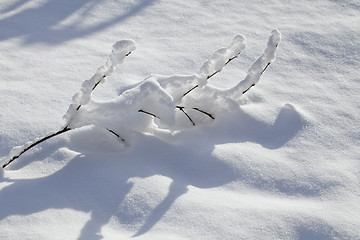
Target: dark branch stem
x,y
187,115
149,113
117,135
206,113
36,143
248,88
65,129
96,84
211,75
265,68
267,65
190,91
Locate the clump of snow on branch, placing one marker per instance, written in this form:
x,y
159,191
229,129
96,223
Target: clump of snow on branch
x,y
258,67
119,51
219,59
122,113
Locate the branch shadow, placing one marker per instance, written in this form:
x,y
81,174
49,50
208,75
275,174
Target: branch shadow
x,y
98,183
175,191
14,5
40,24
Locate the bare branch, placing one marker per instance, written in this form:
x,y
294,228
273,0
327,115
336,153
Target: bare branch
x,y
211,75
206,113
190,91
96,84
265,68
182,109
117,135
149,113
65,129
36,143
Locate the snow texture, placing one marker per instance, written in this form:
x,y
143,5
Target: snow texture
x,y
278,162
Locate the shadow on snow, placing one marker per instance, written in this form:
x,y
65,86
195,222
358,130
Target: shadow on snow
x,y
99,182
41,23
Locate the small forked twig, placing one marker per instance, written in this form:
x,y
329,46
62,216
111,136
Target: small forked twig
x,y
187,115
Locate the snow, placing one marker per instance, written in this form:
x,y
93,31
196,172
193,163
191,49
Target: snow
x,y
161,98
219,59
258,67
120,50
279,162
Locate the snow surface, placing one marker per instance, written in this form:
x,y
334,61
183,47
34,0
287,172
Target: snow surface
x,y
281,163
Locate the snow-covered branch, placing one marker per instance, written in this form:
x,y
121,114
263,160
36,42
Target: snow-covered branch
x,y
258,67
120,50
159,103
218,61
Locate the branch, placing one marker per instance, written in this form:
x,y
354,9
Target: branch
x,y
260,74
219,60
95,85
182,109
206,113
36,143
117,135
116,57
149,113
211,75
257,68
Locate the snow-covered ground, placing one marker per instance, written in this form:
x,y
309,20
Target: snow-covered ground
x,y
283,164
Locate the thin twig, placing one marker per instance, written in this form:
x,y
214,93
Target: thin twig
x,y
149,113
96,84
265,68
211,75
249,88
260,74
206,113
182,109
190,90
268,63
36,143
117,135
